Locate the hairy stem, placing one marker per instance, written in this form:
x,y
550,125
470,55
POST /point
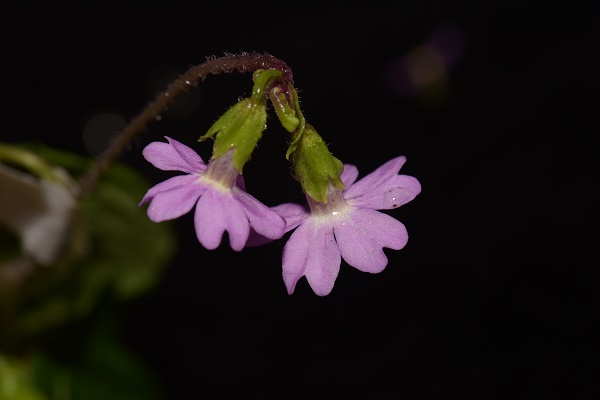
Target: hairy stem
x,y
244,62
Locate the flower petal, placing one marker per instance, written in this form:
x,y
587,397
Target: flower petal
x,y
240,182
217,211
349,175
311,251
295,256
323,264
173,198
173,156
293,214
375,178
171,183
363,235
263,220
392,193
256,239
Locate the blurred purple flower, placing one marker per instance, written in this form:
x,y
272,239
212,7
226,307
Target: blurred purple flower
x,y
347,227
217,191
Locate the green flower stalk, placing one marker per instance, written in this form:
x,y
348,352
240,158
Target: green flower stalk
x,y
290,116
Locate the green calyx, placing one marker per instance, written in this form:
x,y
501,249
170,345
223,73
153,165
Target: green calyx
x,y
314,166
241,126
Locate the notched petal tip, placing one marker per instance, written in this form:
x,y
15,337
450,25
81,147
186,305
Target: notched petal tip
x,y
411,184
384,192
362,239
217,213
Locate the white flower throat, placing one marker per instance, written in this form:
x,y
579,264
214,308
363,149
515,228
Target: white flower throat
x,y
336,206
220,173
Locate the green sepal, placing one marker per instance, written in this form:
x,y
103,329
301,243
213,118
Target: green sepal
x,y
241,127
314,166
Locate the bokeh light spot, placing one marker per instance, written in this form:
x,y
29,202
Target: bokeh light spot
x,y
100,129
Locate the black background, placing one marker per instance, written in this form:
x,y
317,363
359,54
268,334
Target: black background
x,y
495,294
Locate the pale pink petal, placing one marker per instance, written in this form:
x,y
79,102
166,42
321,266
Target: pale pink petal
x,y
311,251
262,219
256,239
171,183
238,226
384,229
392,193
323,263
362,236
240,182
173,198
349,175
216,213
173,156
293,214
375,178
295,255
358,250
209,221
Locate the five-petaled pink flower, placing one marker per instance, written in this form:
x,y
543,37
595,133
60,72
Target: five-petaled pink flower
x,y
347,227
217,191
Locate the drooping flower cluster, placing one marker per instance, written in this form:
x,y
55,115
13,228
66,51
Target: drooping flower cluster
x,y
341,217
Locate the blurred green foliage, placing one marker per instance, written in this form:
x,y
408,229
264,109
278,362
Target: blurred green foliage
x,y
60,327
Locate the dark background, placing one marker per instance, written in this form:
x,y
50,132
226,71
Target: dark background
x,y
495,294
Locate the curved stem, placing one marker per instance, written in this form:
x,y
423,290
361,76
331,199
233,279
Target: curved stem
x,y
244,62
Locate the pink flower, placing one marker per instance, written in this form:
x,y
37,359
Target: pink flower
x,y
347,227
217,191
